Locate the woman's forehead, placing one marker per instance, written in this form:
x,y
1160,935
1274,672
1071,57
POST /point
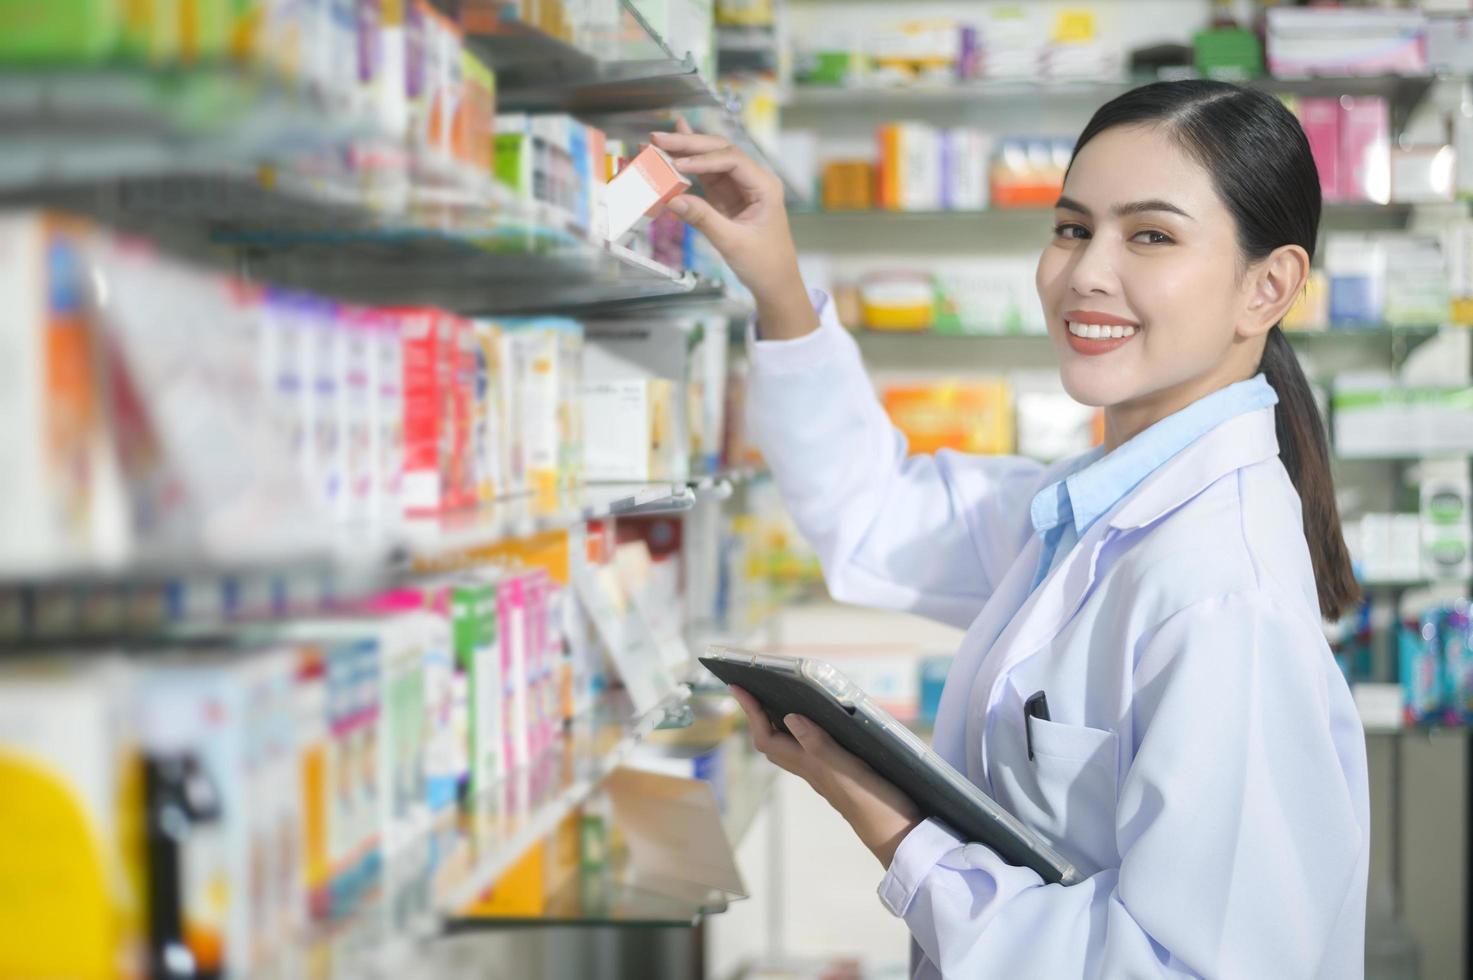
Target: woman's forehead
x,y
1134,163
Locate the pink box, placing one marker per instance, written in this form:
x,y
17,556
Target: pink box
x,y
1320,118
1365,149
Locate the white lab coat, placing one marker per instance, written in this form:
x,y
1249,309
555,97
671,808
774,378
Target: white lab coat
x,y
1204,765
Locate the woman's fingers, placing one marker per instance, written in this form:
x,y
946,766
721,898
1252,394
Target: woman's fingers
x,y
757,719
686,143
727,162
778,746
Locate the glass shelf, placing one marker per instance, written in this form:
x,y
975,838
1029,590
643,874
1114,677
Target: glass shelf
x,y
605,898
1403,93
614,895
523,517
498,828
623,77
64,126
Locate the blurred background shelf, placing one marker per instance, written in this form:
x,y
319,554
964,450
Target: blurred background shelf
x,y
1403,93
518,814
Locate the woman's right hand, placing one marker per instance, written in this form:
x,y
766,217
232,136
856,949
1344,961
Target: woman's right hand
x,y
744,218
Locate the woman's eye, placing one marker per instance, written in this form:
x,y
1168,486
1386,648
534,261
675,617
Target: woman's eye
x,y
1152,238
1068,231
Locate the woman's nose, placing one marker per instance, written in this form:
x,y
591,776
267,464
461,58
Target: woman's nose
x,y
1093,272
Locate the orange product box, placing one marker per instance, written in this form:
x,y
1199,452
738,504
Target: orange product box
x,y
970,417
848,185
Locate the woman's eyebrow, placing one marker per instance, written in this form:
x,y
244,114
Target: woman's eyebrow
x,y
1121,210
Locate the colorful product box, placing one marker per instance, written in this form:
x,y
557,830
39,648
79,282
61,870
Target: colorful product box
x,y
1456,641
51,423
489,447
71,876
1421,671
972,417
426,395
511,614
478,650
1320,118
1365,149
387,410
218,733
641,189
549,352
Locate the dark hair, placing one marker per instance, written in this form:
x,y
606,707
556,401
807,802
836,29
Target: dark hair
x,y
1261,165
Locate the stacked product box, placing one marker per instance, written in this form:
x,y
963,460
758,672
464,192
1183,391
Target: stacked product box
x,y
1435,653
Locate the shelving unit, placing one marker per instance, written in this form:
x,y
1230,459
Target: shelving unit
x,y
248,175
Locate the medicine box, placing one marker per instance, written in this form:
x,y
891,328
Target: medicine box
x,y
639,190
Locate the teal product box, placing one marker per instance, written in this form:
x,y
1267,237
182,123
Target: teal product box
x,y
1420,666
933,679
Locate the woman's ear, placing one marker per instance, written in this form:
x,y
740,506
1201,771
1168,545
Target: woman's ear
x,y
1273,284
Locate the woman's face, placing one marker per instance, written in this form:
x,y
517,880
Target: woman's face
x,y
1143,284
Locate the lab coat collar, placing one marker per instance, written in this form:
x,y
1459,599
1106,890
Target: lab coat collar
x,y
1236,443
1241,441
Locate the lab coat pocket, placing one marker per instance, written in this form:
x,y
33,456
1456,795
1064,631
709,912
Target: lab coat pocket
x,y
1067,792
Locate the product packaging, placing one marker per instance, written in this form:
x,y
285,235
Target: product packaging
x,y
73,897
55,482
1320,118
1421,670
640,189
428,375
478,652
1456,641
970,417
848,185
640,370
1416,291
511,614
1365,149
1356,267
1447,530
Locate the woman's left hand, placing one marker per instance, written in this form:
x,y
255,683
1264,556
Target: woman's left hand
x,y
879,812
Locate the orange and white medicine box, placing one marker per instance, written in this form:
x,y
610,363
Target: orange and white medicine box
x,y
640,189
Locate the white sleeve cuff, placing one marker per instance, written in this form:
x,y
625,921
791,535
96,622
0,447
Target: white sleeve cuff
x,y
801,353
921,850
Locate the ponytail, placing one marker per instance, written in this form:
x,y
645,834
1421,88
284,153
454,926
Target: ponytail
x,y
1304,453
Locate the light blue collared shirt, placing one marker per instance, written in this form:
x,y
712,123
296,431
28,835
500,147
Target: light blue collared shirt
x,y
1063,511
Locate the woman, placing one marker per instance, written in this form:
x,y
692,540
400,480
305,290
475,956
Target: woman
x,y
1200,758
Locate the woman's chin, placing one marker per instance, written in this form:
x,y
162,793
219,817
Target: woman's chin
x,y
1088,385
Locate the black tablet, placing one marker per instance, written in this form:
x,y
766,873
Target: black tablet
x,y
817,691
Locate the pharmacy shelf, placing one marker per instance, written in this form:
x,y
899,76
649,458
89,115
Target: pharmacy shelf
x,y
502,832
740,39
625,78
468,247
614,896
1403,93
78,125
620,65
427,540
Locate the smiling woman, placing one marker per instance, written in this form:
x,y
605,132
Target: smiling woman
x,y
1204,275
1200,758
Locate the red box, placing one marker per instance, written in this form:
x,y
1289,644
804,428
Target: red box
x,y
426,388
458,336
